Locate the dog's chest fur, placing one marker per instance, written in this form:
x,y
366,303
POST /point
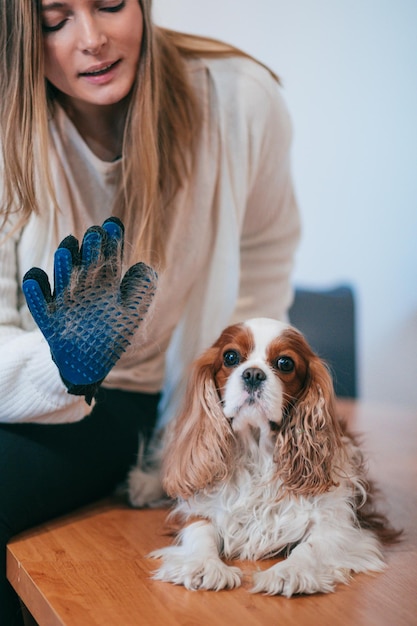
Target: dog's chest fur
x,y
252,520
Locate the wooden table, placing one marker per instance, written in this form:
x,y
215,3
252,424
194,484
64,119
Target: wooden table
x,y
90,568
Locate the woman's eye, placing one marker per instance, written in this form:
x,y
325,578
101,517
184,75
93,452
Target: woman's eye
x,y
285,364
114,8
231,358
58,22
51,28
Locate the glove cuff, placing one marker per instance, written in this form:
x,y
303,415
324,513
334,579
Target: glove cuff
x,y
89,391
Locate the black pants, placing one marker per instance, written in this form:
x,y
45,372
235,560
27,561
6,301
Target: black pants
x,y
49,470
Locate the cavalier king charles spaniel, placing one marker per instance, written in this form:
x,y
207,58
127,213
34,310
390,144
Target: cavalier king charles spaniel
x,y
260,466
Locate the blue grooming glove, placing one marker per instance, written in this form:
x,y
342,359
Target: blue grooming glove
x,y
90,318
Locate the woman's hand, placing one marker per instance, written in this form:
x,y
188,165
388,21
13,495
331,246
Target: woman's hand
x,y
92,314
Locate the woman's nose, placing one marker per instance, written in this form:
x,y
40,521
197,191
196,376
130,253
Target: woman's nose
x,y
92,37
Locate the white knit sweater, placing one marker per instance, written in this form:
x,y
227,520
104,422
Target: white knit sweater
x,y
229,255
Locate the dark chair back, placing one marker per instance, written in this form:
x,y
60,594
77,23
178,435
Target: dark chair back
x,y
327,319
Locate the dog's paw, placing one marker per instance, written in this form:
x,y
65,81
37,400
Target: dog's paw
x,y
195,574
145,488
288,579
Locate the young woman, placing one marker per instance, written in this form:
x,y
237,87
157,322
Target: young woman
x,y
187,141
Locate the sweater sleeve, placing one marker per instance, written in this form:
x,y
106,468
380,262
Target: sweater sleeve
x,y
270,228
31,389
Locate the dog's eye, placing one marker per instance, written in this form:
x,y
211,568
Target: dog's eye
x,y
231,358
285,364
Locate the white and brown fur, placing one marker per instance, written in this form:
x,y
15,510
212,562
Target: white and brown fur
x,y
259,465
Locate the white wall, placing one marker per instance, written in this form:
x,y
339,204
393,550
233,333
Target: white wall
x,y
349,69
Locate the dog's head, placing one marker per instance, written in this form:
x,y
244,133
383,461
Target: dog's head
x,y
263,375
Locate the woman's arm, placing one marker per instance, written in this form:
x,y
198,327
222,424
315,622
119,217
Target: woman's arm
x,y
271,224
31,389
88,320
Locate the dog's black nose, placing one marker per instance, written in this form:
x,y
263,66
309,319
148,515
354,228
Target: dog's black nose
x,y
253,377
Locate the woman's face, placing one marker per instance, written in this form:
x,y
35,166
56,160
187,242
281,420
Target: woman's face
x,y
92,48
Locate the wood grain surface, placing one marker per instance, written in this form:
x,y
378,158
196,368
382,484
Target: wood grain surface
x,y
91,568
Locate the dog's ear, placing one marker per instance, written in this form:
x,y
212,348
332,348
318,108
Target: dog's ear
x,y
311,436
200,440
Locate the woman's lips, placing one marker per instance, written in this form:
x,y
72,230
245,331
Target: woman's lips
x,y
100,73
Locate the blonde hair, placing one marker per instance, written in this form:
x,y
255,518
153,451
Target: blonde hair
x,y
161,130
